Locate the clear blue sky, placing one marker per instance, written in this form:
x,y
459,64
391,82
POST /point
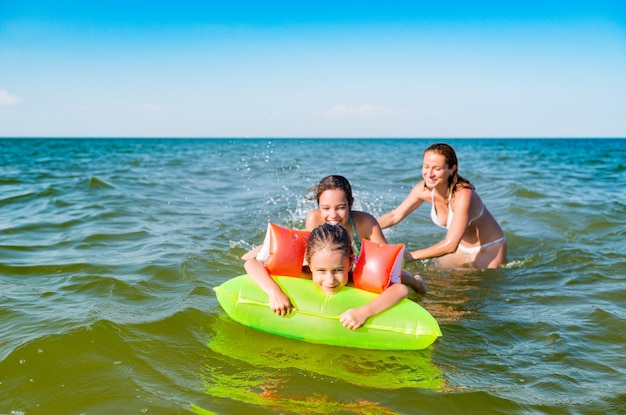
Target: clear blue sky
x,y
313,69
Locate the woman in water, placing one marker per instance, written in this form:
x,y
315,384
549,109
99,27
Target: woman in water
x,y
474,238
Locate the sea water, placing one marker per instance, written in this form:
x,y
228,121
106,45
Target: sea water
x,y
109,250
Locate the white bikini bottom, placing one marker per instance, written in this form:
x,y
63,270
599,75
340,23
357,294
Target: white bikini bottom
x,y
475,249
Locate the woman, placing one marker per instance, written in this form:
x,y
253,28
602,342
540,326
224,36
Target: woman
x,y
474,238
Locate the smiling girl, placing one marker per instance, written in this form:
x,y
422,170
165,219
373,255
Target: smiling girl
x,y
330,257
334,200
334,206
333,195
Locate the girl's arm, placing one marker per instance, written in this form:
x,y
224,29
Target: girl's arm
x,y
413,200
313,220
279,302
252,253
356,317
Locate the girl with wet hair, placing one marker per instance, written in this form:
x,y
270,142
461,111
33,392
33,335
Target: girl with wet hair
x,y
334,198
330,258
334,206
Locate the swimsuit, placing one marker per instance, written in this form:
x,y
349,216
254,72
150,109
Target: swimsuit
x,y
461,248
433,212
356,247
356,243
475,249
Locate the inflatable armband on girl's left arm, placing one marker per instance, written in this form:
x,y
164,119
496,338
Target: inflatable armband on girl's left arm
x,y
378,266
283,250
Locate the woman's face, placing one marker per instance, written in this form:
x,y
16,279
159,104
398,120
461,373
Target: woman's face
x,y
333,206
330,270
435,171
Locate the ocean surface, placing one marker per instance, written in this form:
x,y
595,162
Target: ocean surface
x,y
110,249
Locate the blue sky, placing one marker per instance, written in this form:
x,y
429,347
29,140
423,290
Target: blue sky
x,y
312,69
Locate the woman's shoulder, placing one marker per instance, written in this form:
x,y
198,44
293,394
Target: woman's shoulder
x,y
463,197
420,191
465,191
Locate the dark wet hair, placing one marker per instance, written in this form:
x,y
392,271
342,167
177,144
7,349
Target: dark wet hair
x,y
333,237
329,183
455,181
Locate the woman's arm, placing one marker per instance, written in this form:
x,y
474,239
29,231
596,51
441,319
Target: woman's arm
x,y
356,317
462,201
414,199
279,302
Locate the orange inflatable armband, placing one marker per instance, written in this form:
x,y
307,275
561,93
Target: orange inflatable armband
x,y
378,266
283,250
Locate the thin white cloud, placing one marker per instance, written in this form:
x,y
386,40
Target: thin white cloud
x,y
7,99
365,110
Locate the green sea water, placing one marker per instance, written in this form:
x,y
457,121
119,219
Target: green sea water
x,y
110,249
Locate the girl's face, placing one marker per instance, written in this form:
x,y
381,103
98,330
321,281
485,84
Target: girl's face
x,y
333,206
435,171
330,270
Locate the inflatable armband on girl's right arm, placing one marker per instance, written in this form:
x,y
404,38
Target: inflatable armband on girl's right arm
x,y
378,266
283,250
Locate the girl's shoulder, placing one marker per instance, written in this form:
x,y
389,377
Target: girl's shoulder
x,y
358,216
363,218
313,219
314,213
